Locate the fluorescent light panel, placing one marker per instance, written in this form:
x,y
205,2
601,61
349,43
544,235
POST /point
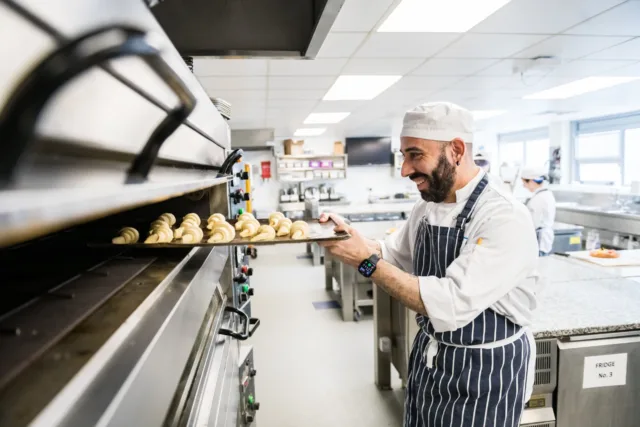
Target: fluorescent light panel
x,y
309,131
431,16
322,118
356,88
486,114
579,87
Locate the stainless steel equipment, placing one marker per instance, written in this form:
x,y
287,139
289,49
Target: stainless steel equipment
x,y
113,336
567,237
597,381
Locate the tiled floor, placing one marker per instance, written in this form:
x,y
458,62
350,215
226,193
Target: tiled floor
x,y
314,370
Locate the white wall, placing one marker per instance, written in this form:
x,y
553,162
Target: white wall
x,y
355,188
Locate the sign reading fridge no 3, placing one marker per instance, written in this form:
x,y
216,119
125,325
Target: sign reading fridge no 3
x,y
605,371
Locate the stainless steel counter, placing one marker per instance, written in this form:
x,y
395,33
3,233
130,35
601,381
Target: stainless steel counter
x,y
599,218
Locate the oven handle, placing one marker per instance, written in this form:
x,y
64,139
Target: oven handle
x,y
19,117
248,324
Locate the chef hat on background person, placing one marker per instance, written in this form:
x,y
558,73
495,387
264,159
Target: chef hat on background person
x,y
438,121
535,174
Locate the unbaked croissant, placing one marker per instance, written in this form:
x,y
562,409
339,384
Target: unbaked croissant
x,y
192,235
215,218
249,228
169,218
284,227
193,217
299,230
242,219
126,235
160,234
188,222
222,232
265,232
274,218
158,223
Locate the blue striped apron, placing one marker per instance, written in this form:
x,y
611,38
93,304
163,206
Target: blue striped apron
x,y
474,376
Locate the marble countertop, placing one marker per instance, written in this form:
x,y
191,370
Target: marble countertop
x,y
586,307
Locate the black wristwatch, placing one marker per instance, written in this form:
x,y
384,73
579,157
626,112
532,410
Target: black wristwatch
x,y
369,265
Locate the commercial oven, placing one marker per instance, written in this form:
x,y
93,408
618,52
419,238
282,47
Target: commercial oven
x,y
103,125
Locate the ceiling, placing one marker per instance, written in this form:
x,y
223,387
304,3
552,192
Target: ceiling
x,y
474,69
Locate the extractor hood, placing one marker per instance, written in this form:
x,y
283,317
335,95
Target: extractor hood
x,y
252,139
239,28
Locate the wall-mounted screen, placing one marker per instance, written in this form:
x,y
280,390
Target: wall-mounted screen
x,y
369,151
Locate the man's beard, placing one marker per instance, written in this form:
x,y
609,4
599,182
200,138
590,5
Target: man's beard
x,y
440,181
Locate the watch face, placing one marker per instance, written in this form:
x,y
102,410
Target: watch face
x,y
366,268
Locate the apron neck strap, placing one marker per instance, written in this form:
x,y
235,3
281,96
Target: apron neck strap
x,y
465,215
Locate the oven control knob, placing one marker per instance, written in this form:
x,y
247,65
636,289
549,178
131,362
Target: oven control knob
x,y
246,270
250,291
244,298
243,175
241,278
249,418
252,372
247,197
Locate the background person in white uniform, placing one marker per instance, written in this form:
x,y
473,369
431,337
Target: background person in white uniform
x,y
542,206
466,262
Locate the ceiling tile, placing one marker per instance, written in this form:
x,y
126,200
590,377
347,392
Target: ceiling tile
x,y
570,47
340,45
541,16
296,94
586,67
619,21
203,67
238,95
233,83
404,45
425,83
303,83
373,66
632,70
292,103
452,67
247,124
360,15
338,106
502,68
306,67
489,45
628,50
487,83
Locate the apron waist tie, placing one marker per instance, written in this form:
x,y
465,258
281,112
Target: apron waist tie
x,y
432,347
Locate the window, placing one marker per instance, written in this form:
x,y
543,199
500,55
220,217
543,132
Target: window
x,y
525,149
631,155
606,150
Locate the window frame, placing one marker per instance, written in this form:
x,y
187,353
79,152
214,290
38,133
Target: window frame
x,y
525,137
615,123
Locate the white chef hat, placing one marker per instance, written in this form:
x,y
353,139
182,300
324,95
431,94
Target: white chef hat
x,y
534,173
438,121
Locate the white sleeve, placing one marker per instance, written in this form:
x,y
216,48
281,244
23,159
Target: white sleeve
x,y
396,248
483,273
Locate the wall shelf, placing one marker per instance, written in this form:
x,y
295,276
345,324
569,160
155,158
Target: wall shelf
x,y
300,168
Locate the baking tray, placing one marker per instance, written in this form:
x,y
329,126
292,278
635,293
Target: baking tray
x,y
317,233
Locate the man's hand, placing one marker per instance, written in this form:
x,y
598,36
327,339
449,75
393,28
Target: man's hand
x,y
351,251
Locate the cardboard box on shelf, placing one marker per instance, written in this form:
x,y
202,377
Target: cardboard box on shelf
x,y
293,148
338,147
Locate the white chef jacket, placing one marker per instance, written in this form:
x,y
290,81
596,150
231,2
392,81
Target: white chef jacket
x,y
542,206
500,272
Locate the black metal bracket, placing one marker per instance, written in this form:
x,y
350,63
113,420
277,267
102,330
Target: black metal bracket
x,y
248,324
232,159
20,115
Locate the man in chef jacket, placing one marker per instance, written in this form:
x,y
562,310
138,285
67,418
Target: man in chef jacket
x,y
542,206
465,262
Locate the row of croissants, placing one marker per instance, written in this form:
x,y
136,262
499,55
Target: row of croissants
x,y
218,230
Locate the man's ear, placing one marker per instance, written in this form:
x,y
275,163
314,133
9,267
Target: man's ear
x,y
459,149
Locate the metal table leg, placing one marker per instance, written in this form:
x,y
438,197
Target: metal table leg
x,y
382,337
328,273
347,278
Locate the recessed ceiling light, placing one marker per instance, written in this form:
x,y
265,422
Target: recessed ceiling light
x,y
431,16
486,114
578,87
354,88
309,131
321,118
